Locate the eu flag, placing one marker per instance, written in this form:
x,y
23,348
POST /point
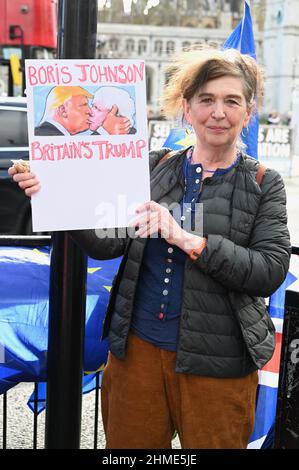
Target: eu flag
x,y
24,288
242,39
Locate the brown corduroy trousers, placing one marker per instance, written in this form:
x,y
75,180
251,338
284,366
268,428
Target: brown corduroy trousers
x,y
144,401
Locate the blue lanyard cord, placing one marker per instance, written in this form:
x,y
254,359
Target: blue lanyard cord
x,y
187,164
187,209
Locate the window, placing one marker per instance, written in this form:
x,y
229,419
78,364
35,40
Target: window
x,y
158,47
113,43
186,45
170,47
130,45
142,46
13,128
198,45
213,44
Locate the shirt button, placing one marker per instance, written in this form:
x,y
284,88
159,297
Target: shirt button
x,y
162,305
170,250
198,169
161,316
168,270
197,181
183,217
165,292
169,260
166,280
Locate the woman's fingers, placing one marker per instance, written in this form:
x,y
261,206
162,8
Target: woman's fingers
x,y
149,206
146,227
17,177
11,171
24,184
148,230
26,181
140,220
146,218
32,190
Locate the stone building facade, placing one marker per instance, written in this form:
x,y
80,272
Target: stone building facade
x,y
281,55
196,22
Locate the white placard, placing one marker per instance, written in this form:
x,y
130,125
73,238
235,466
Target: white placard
x,y
92,175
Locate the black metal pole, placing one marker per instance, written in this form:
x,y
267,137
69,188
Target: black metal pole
x,y
77,22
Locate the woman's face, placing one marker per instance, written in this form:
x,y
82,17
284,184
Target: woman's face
x,y
218,112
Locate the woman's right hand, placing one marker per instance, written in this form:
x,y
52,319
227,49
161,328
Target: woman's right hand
x,y
27,181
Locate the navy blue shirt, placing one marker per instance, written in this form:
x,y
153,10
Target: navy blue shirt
x,y
158,298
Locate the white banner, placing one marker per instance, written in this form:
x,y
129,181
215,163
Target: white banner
x,y
88,142
275,148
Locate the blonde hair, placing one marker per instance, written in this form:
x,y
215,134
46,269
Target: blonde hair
x,y
193,68
59,95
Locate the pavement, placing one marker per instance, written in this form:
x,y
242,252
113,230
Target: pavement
x,y
20,421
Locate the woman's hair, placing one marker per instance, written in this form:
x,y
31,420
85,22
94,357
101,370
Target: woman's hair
x,y
193,68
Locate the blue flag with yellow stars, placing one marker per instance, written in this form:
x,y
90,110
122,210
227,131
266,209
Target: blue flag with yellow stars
x,y
24,289
242,39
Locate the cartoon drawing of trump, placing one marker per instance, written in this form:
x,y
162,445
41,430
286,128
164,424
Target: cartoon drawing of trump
x,y
67,111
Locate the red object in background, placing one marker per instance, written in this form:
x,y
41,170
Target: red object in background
x,y
37,18
274,364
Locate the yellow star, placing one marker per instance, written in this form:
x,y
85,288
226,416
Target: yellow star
x,y
88,372
188,140
35,250
92,270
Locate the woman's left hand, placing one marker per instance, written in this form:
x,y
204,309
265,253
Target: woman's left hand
x,y
155,218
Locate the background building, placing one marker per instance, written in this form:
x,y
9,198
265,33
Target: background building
x,y
155,34
281,54
281,60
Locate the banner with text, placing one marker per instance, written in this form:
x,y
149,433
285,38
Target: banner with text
x,y
88,142
275,148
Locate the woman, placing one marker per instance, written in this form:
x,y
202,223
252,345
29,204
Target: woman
x,y
187,322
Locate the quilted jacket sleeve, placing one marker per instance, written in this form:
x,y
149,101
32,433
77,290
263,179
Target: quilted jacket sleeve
x,y
99,247
262,267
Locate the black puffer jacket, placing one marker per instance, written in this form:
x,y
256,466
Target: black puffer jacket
x,y
225,330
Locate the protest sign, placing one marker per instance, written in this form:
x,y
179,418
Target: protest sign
x,y
158,132
91,162
275,148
